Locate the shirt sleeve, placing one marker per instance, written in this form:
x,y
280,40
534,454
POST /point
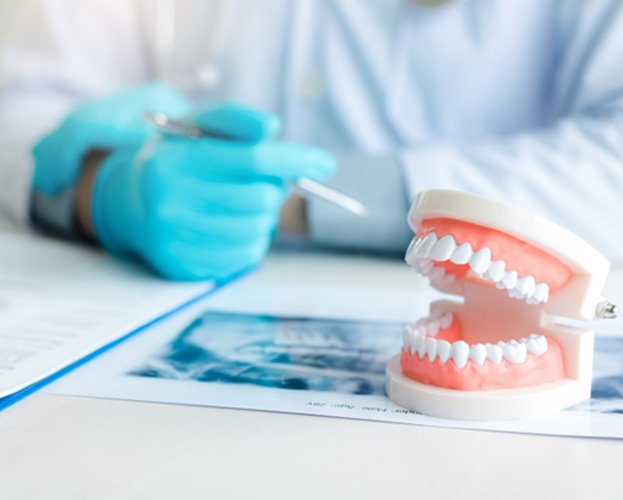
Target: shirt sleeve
x,y
570,171
57,53
378,183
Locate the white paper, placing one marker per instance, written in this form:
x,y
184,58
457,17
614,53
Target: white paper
x,y
59,302
309,349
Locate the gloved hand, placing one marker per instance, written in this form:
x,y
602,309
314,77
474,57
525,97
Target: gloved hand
x,y
201,208
104,124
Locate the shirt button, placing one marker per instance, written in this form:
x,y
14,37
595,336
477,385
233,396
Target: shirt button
x,y
311,87
208,76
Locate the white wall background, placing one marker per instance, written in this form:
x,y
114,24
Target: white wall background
x,y
6,11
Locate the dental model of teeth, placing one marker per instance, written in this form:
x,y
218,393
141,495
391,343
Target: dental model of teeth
x,y
425,251
419,339
488,356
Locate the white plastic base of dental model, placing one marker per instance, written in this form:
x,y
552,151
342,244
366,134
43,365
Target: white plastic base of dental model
x,y
499,404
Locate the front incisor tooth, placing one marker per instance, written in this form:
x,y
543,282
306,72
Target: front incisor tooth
x,y
494,353
410,253
478,354
515,353
462,254
420,346
444,349
460,353
443,248
431,348
480,260
428,243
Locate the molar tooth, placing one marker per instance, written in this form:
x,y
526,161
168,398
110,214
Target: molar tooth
x,y
526,286
443,249
541,292
427,244
432,328
444,349
537,344
496,270
480,260
515,353
494,353
513,293
445,320
431,348
510,279
478,354
462,254
460,353
420,346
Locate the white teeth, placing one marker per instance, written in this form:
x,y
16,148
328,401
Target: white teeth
x,y
460,353
445,320
425,250
431,348
462,254
515,353
420,346
541,292
478,354
494,353
480,260
525,286
428,243
432,328
443,249
496,270
423,266
537,344
509,280
444,349
409,255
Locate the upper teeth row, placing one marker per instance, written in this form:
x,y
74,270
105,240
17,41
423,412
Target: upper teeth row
x,y
515,352
424,250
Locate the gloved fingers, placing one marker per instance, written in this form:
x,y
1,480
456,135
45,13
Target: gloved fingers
x,y
229,197
277,159
240,122
186,261
118,120
222,230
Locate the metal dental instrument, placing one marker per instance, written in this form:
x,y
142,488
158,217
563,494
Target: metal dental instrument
x,y
187,128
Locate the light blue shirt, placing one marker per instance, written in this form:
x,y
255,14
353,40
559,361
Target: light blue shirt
x,y
521,101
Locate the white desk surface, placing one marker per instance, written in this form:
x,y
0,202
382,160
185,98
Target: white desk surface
x,y
65,447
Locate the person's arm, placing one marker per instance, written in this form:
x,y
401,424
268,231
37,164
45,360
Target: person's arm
x,y
570,172
57,54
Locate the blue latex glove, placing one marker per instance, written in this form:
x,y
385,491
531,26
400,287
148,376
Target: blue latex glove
x,y
201,209
105,124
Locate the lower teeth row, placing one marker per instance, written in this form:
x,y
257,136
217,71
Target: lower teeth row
x,y
420,342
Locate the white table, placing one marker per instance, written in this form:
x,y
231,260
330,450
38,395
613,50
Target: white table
x,y
69,447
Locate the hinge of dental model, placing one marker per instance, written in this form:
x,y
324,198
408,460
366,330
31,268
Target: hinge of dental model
x,y
606,310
